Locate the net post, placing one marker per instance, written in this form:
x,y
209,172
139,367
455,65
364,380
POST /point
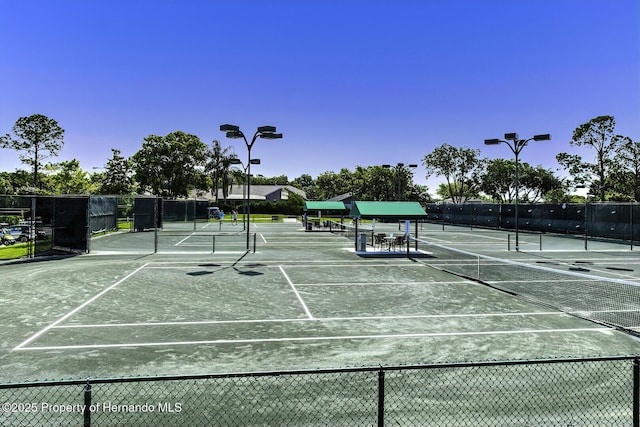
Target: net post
x,y
509,242
213,247
540,242
586,224
254,242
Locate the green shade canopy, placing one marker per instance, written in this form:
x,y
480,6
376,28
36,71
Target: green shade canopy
x,y
388,210
324,206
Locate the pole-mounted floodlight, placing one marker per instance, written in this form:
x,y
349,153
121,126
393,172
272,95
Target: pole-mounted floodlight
x,y
492,141
229,128
516,147
270,129
265,132
271,135
399,167
543,137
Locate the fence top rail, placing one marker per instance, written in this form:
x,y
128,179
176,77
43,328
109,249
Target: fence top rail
x,y
52,383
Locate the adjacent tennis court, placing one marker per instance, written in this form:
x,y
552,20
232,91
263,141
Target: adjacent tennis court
x,y
302,300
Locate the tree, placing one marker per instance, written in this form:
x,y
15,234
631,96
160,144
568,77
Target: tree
x,y
218,168
67,177
330,184
171,165
597,133
117,177
306,183
19,182
625,174
534,183
461,168
373,183
37,135
444,191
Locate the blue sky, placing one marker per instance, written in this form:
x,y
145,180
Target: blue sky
x,y
347,82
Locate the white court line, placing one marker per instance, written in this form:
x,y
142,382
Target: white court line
x,y
276,264
304,306
80,307
177,244
262,237
475,236
461,282
308,339
320,319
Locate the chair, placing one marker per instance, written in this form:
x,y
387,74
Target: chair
x,y
379,239
397,242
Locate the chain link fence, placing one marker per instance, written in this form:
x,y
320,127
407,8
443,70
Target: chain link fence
x,y
562,392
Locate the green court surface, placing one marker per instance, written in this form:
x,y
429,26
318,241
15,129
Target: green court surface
x,y
191,300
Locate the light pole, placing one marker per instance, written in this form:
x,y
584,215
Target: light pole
x,y
399,168
265,132
516,147
236,161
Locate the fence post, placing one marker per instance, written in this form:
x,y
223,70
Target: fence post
x,y
631,230
87,404
636,392
381,397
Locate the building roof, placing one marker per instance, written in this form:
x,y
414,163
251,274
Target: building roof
x,y
324,206
388,210
258,192
341,197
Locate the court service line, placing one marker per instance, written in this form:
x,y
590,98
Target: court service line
x,y
262,237
372,284
80,307
320,319
325,338
304,306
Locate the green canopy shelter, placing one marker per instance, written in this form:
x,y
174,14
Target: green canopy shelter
x,y
387,210
320,206
412,211
324,206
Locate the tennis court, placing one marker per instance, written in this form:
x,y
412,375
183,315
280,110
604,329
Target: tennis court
x,y
303,300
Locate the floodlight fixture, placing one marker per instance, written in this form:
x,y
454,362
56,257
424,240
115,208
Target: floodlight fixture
x,y
494,141
234,134
254,161
268,129
235,161
511,136
269,135
542,137
229,128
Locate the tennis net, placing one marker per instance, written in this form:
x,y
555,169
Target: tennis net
x,y
563,286
350,231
